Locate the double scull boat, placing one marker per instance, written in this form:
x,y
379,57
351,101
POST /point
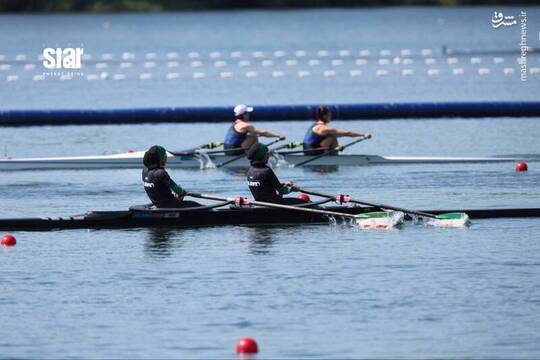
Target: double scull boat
x,y
133,160
227,214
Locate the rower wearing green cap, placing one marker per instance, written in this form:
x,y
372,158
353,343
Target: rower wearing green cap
x,y
160,188
263,182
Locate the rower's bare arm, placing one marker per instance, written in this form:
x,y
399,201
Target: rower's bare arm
x,y
358,134
244,128
250,129
336,132
266,133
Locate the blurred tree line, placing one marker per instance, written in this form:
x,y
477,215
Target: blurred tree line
x,y
164,5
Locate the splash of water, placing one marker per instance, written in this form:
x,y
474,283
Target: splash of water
x,y
462,222
205,160
278,160
392,220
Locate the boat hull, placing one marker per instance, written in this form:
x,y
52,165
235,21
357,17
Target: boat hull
x,y
187,219
222,217
134,161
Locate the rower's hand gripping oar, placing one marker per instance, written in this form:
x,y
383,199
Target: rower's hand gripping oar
x,y
245,154
331,151
346,198
210,145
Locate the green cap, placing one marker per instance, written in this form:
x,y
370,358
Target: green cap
x,y
257,152
162,153
154,156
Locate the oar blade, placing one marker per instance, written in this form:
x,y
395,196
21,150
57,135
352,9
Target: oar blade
x,y
380,220
450,220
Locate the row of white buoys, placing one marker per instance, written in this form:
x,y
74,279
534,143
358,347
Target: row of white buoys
x,y
266,63
250,74
321,53
128,62
342,54
247,63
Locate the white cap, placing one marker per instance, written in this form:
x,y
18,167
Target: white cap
x,y
241,109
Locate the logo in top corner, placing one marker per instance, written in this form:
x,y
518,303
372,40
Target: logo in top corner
x,y
499,19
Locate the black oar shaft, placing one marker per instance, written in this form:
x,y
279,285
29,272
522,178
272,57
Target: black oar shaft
x,y
194,150
223,151
272,205
303,151
288,146
369,203
328,152
243,155
291,145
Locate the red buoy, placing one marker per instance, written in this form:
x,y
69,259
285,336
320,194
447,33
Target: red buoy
x,y
304,197
130,151
247,346
522,166
9,240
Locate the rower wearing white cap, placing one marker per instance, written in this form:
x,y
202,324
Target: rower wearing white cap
x,y
242,134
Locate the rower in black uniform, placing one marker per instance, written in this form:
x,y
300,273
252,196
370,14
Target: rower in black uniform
x,y
242,134
160,188
263,183
321,137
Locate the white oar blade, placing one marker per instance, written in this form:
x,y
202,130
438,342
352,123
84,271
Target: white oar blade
x,y
450,220
380,220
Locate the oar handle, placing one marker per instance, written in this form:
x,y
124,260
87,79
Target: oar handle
x,y
244,154
369,203
272,205
330,151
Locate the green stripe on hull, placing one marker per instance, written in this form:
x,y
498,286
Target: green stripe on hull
x,y
373,215
451,216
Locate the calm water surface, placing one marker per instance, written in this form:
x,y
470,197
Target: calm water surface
x,y
305,291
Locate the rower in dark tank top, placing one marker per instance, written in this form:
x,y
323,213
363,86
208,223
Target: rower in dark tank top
x,y
320,137
242,134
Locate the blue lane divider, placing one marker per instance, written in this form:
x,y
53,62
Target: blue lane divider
x,y
269,112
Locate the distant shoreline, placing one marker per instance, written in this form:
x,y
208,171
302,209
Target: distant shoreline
x,y
102,6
